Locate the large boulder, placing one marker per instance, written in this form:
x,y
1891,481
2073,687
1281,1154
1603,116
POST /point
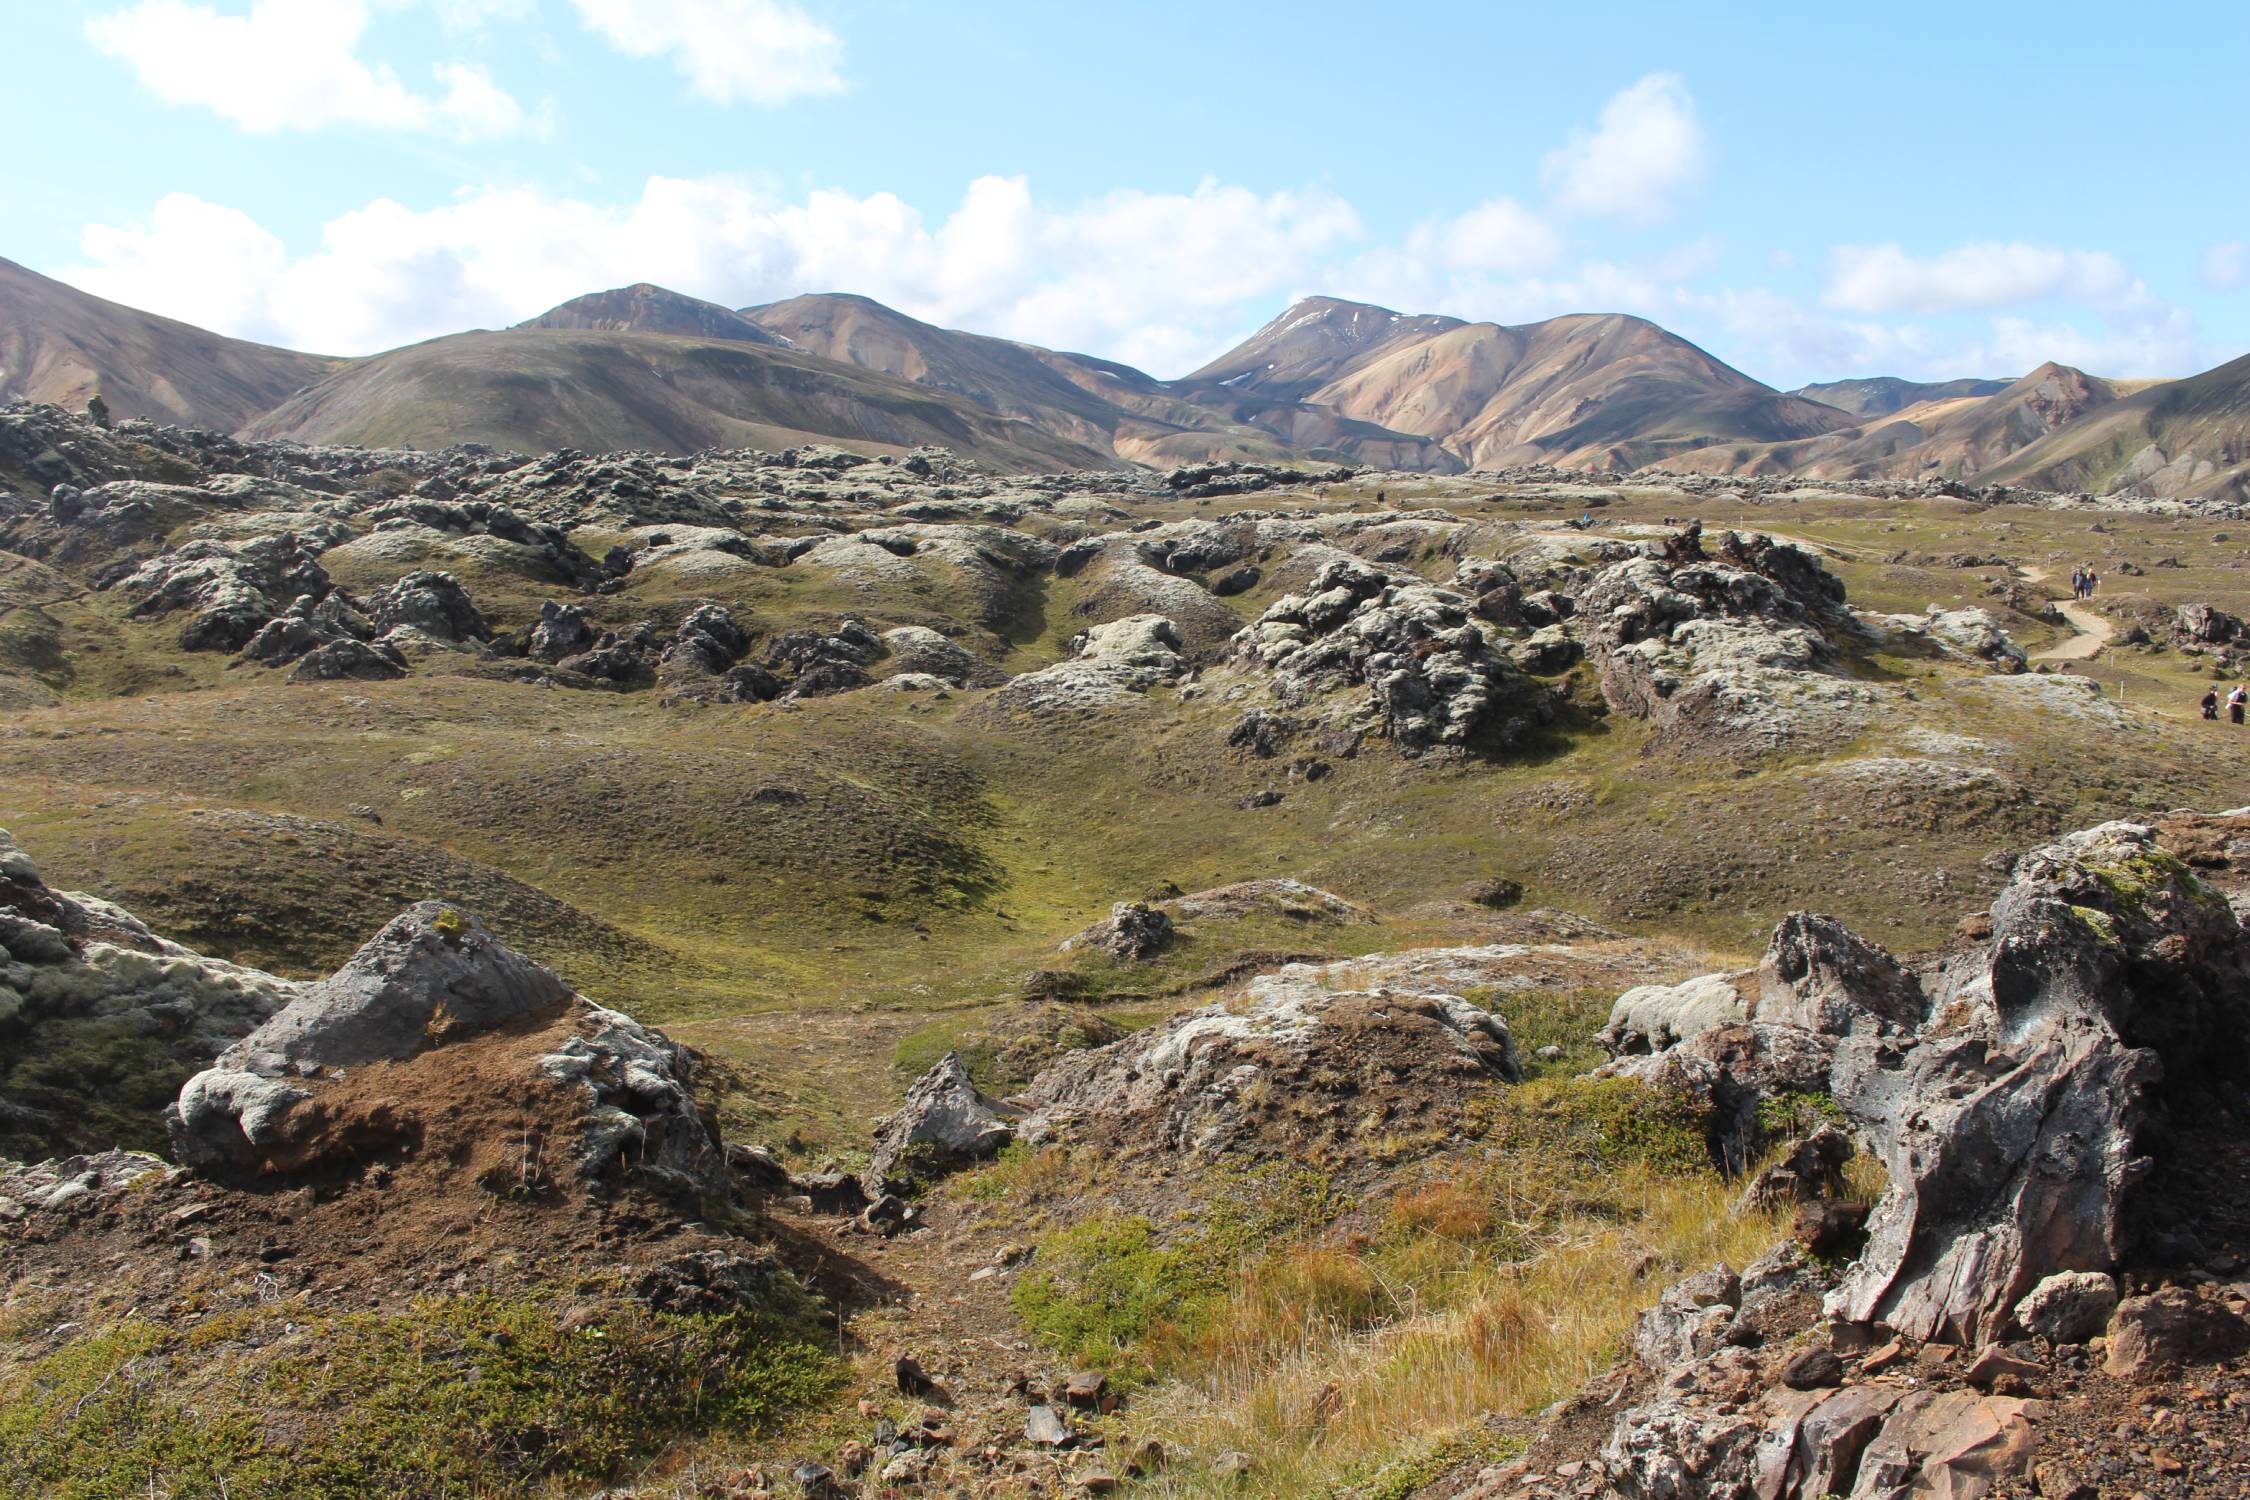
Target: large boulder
x,y
436,1002
944,1122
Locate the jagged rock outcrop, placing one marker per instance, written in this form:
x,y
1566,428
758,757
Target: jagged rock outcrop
x,y
232,588
1432,677
2005,1087
426,608
1725,655
563,631
77,973
327,638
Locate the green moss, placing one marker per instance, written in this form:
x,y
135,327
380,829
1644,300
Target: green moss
x,y
2102,924
1426,1461
1784,1115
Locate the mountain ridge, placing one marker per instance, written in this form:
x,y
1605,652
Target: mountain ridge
x,y
1326,380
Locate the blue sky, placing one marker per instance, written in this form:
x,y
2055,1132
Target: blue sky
x,y
1809,192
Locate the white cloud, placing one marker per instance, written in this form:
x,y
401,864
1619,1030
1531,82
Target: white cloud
x,y
1644,152
1158,279
1500,236
292,65
2226,266
765,51
1885,278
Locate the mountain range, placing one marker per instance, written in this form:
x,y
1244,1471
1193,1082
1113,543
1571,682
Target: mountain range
x,y
642,367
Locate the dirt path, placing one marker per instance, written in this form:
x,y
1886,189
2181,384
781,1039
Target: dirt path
x,y
2094,632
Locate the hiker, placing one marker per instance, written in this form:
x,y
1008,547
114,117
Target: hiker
x,y
2235,701
2211,702
2077,583
2093,582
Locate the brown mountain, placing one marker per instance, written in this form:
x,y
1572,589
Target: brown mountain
x,y
1081,398
535,389
2181,438
63,345
1602,391
1314,342
1958,438
642,308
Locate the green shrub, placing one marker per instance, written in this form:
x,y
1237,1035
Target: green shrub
x,y
1106,1293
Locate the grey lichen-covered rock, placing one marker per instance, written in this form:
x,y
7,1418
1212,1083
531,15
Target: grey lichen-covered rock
x,y
425,608
1974,633
436,980
1653,1017
2003,1086
1132,932
232,588
1819,974
2011,1132
433,973
945,1121
434,970
74,969
641,1111
1432,677
563,630
1109,664
1310,1050
919,649
1727,655
58,1184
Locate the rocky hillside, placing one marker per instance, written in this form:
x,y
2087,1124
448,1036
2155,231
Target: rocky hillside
x,y
802,972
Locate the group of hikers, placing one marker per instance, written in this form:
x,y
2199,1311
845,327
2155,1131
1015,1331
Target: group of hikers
x,y
2083,581
2236,701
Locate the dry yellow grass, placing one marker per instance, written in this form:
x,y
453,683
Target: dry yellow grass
x,y
1329,1364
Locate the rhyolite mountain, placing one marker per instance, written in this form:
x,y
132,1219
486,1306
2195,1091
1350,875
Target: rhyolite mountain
x,y
1586,391
1953,438
1330,380
63,345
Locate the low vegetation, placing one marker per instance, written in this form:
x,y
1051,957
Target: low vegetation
x,y
476,1395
